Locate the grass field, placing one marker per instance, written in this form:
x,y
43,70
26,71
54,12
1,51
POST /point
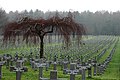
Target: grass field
x,y
112,72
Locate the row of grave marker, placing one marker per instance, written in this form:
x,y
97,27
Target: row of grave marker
x,y
74,68
8,59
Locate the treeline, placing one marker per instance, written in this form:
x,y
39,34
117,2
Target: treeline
x,y
98,23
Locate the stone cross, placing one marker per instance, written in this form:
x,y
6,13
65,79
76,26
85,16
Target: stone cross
x,y
83,68
16,56
89,69
99,69
54,65
65,66
7,58
19,63
1,64
18,71
34,63
94,63
19,68
53,75
55,58
73,71
40,66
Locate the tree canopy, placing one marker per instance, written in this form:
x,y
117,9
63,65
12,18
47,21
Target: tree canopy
x,y
28,28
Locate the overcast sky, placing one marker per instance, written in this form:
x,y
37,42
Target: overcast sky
x,y
60,5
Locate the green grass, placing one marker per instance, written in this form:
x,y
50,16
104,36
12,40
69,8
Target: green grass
x,y
112,72
106,53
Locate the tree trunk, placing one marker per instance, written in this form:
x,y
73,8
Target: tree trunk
x,y
41,46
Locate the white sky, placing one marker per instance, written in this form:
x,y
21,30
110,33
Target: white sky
x,y
60,5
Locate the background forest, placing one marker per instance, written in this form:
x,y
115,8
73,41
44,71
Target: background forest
x,y
97,23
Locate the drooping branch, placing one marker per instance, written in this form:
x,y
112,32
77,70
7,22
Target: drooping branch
x,y
32,28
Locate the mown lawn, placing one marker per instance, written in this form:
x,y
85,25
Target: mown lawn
x,y
112,72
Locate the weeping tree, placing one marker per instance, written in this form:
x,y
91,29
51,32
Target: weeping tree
x,y
30,28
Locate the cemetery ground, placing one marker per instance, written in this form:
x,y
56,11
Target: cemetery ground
x,y
95,46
